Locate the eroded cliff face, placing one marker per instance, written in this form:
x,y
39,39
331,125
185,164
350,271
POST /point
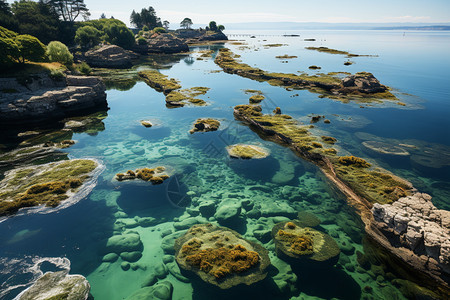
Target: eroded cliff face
x,y
42,99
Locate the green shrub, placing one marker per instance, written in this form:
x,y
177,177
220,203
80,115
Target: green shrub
x,y
84,68
30,48
87,37
145,28
58,52
57,75
142,41
159,30
120,35
9,52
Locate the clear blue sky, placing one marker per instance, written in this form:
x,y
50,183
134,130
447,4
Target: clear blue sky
x,y
236,11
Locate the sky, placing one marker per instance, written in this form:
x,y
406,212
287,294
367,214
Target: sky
x,y
239,11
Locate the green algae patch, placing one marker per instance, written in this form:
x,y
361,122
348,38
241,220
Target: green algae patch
x,y
376,185
334,51
256,98
247,151
205,125
159,82
360,87
47,184
181,97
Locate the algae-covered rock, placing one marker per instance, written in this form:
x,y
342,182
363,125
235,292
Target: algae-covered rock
x,y
294,242
154,175
307,219
146,123
57,285
205,125
247,151
220,256
48,184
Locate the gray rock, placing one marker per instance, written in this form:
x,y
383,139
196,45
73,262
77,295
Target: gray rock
x,y
46,101
186,223
109,56
364,82
418,224
174,269
57,284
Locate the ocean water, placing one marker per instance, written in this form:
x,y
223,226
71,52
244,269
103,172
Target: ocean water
x,y
413,64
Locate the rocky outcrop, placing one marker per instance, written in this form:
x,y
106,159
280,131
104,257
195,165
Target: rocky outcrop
x,y
363,82
57,285
163,43
45,99
195,36
109,56
415,223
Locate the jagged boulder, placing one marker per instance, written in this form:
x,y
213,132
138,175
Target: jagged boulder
x,y
363,82
163,43
109,56
418,225
47,101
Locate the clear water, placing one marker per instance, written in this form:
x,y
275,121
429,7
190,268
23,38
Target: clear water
x,y
415,65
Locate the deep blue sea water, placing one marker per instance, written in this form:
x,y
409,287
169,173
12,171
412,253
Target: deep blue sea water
x,y
414,64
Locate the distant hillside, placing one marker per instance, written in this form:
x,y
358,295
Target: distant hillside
x,y
335,26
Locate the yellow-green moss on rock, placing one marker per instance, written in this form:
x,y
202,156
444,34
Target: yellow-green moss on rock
x,y
247,151
47,184
159,82
220,256
152,175
373,184
205,125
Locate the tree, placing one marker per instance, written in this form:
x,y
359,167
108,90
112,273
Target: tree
x,y
30,48
186,23
7,18
120,35
58,52
9,50
147,17
221,28
213,26
37,19
103,16
69,10
87,37
165,24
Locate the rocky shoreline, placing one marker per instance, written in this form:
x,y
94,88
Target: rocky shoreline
x,y
44,99
388,224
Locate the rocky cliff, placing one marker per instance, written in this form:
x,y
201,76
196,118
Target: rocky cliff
x,y
42,99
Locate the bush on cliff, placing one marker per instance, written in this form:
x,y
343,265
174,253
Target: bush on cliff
x,y
58,52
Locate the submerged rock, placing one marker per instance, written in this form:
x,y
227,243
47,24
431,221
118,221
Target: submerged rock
x,y
57,285
127,242
385,148
161,291
220,256
295,243
247,151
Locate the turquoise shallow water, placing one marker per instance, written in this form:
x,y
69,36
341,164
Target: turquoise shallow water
x,y
414,65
